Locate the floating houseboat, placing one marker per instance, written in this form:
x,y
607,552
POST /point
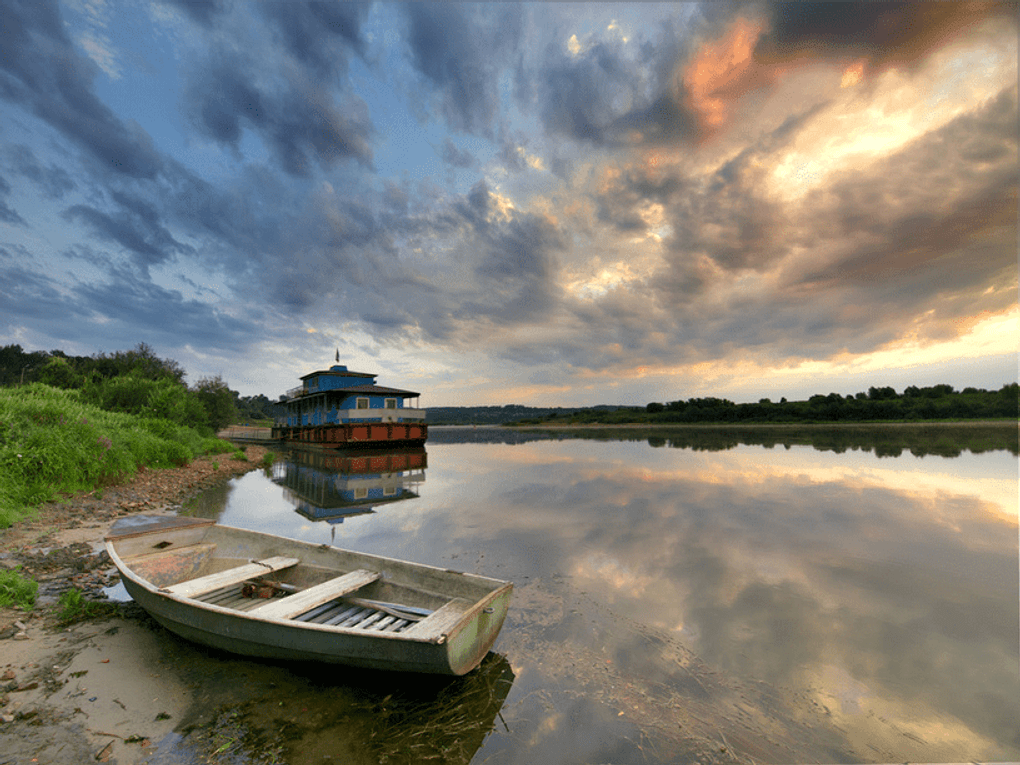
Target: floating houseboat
x,y
337,408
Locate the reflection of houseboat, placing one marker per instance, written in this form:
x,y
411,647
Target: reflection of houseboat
x,y
336,408
330,486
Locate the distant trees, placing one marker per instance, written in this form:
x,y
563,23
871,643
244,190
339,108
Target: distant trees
x,y
217,400
878,403
936,402
18,367
257,407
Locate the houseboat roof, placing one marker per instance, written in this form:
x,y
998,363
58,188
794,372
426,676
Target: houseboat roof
x,y
338,371
378,390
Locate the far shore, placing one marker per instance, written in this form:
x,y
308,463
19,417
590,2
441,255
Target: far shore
x,y
762,425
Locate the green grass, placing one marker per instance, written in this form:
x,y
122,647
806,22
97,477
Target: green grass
x,y
75,607
52,442
217,446
17,591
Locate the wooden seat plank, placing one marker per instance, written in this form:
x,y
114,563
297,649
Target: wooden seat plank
x,y
440,620
192,588
316,595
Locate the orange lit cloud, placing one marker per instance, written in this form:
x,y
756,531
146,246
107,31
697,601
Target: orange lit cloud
x,y
875,36
852,75
720,71
862,39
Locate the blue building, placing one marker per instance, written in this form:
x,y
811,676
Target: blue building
x,y
337,407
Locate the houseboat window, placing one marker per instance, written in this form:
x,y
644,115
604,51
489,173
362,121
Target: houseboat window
x,y
362,403
360,493
391,403
313,384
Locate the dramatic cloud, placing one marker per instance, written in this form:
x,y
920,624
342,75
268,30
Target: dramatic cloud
x,y
301,124
136,227
45,74
617,203
458,49
7,214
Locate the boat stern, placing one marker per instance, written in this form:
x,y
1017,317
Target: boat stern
x,y
469,642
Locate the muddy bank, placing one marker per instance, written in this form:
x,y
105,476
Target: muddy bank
x,y
91,690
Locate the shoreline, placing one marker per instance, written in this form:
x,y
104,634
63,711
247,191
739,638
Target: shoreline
x,y
92,689
756,425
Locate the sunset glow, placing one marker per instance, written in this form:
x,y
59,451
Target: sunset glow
x,y
559,204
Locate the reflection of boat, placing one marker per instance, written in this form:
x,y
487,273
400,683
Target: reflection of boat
x,y
447,726
331,485
336,408
211,584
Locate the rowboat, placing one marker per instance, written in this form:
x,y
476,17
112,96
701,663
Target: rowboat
x,y
262,595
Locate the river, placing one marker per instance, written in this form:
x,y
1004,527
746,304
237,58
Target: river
x,y
676,599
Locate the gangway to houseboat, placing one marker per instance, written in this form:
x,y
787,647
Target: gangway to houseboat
x,y
248,434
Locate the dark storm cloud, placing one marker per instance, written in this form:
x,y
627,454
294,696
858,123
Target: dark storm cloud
x,y
496,267
666,120
724,216
945,209
136,226
474,206
459,49
311,30
926,230
881,32
578,93
302,124
517,269
7,213
41,71
337,249
510,155
451,155
149,310
237,223
29,296
53,181
603,94
202,11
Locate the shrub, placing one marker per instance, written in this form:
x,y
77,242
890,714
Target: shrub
x,y
216,446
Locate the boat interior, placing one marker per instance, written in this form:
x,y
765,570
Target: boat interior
x,y
313,585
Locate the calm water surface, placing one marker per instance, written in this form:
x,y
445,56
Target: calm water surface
x,y
677,605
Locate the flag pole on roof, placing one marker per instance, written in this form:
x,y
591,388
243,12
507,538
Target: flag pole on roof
x,y
338,355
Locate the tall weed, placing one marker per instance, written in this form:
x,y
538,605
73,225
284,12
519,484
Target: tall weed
x,y
17,590
53,441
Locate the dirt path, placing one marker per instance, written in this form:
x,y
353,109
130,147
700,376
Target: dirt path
x,y
93,690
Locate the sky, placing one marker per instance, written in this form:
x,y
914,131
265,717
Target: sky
x,y
548,204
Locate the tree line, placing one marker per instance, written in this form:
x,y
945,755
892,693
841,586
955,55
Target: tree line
x,y
877,404
139,382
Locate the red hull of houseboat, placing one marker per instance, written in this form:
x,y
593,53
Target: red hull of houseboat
x,y
360,434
